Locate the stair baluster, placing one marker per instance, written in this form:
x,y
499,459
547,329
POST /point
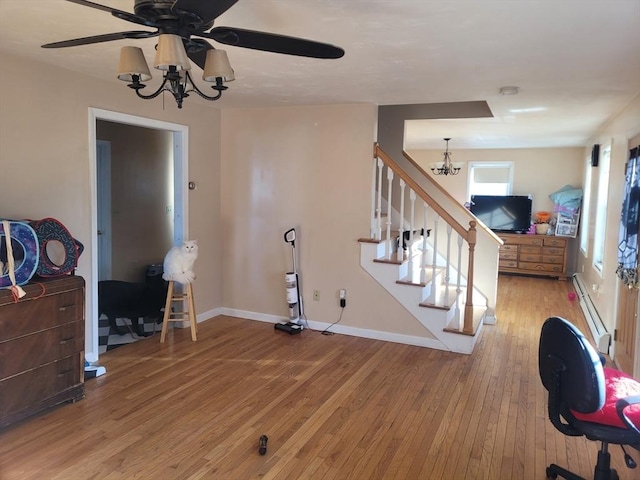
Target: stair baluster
x,y
379,203
400,251
423,258
412,199
375,213
447,275
389,196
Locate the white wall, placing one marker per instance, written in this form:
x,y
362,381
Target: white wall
x,y
308,168
537,171
44,160
623,132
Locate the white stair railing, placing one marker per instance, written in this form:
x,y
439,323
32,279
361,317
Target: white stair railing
x,y
404,181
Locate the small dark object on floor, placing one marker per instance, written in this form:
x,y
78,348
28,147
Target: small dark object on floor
x,y
263,445
289,327
118,299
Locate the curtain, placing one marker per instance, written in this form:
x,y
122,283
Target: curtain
x,y
627,269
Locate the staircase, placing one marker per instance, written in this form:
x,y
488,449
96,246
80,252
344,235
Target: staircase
x,y
433,277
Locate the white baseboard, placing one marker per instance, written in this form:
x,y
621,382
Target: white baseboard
x,y
599,332
340,329
200,317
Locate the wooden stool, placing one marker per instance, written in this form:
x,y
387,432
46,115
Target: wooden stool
x,y
170,316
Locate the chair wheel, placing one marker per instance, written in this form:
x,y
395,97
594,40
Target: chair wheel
x,y
551,473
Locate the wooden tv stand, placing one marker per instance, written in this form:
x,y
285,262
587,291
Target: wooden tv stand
x,y
543,255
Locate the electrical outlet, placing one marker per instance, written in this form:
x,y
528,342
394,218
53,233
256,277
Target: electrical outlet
x,y
316,295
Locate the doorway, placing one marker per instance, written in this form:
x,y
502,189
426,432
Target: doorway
x,y
174,207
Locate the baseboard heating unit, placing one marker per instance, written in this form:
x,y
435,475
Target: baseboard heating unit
x,y
598,330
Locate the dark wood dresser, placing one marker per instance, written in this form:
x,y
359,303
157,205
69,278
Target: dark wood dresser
x,y
41,347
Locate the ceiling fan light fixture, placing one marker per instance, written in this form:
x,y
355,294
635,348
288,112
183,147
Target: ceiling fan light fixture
x,y
171,53
217,66
172,58
132,62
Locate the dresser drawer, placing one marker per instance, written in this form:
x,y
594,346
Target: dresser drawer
x,y
508,264
509,255
555,242
542,267
34,315
528,249
553,259
36,386
31,351
530,257
522,239
558,251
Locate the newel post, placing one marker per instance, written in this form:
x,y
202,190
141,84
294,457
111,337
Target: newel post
x,y
468,308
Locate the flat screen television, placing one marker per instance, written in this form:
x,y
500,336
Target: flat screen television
x,y
503,213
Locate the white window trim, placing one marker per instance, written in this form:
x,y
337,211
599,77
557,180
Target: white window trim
x,y
599,238
586,208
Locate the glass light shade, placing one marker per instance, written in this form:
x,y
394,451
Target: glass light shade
x,y
171,52
217,65
132,63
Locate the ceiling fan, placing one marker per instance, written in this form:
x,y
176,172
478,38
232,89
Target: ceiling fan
x,y
192,21
187,18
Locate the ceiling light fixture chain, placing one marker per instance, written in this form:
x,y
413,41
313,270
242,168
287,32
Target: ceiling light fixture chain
x,y
447,167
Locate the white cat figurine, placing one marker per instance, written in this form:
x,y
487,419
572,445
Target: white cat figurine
x,y
178,262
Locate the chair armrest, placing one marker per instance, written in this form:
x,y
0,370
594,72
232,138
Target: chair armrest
x,y
623,403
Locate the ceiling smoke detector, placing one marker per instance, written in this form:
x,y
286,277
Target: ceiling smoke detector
x,y
509,90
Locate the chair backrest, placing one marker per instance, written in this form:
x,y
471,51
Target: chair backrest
x,y
565,356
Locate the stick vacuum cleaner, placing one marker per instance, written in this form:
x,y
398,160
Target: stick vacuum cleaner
x,y
292,284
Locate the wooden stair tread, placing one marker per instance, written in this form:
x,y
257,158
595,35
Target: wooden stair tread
x,y
478,317
440,305
369,240
414,278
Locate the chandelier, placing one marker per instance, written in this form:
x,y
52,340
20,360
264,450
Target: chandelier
x,y
446,167
171,58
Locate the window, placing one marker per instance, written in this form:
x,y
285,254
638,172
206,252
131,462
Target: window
x,y
601,210
586,208
490,178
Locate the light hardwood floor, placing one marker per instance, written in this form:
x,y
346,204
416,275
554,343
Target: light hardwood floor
x,y
332,406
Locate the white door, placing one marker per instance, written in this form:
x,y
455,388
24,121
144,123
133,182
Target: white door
x,y
103,171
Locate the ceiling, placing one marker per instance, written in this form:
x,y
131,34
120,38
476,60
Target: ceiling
x,y
576,62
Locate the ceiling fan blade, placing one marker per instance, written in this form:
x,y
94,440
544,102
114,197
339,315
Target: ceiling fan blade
x,y
101,38
197,51
271,42
130,17
207,10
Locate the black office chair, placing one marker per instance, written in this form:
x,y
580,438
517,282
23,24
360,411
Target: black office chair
x,y
585,398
